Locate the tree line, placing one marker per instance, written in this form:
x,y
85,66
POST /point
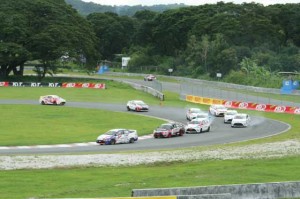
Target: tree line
x,y
236,40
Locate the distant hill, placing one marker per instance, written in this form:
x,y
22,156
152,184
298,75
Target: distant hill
x,y
86,8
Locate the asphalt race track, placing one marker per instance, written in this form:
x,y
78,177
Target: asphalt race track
x,y
220,133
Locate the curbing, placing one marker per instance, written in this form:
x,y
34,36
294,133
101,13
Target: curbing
x,y
272,190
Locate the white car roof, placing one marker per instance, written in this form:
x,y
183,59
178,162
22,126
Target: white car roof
x,y
195,109
199,119
243,115
137,101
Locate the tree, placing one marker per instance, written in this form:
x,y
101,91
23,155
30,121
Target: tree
x,y
114,33
44,30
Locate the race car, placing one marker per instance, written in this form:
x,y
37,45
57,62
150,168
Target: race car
x,y
52,100
116,136
240,120
192,113
203,115
137,105
229,115
217,110
198,125
168,130
149,77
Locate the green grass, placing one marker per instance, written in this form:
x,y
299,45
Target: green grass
x,y
119,181
115,93
58,124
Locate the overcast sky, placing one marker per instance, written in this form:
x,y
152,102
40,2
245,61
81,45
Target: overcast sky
x,y
187,2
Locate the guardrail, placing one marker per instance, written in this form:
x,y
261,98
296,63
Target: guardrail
x,y
146,89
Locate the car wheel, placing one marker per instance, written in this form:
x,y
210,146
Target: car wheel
x,y
62,103
43,103
128,109
113,142
131,140
200,130
208,129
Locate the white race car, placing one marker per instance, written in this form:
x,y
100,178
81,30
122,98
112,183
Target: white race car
x,y
52,100
149,77
198,126
217,110
137,105
240,120
229,115
116,136
192,113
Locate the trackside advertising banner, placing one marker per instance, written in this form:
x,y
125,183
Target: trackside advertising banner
x,y
63,85
244,105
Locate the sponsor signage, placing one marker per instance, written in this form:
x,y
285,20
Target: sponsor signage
x,y
55,85
3,84
244,105
84,85
33,84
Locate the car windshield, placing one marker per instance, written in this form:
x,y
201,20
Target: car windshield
x,y
139,102
195,111
111,132
165,126
240,117
195,122
202,116
220,107
231,113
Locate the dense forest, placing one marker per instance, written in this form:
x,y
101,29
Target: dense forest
x,y
86,8
237,40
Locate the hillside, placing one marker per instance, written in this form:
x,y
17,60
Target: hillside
x,y
86,8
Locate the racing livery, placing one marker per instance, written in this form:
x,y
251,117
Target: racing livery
x,y
117,136
168,130
192,113
229,115
217,110
198,126
52,100
240,120
137,105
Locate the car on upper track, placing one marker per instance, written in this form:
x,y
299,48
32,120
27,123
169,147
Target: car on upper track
x,y
240,120
198,125
192,113
217,110
137,105
118,136
229,115
52,100
168,130
149,77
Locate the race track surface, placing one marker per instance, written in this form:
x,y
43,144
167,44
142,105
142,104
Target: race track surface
x,y
220,133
